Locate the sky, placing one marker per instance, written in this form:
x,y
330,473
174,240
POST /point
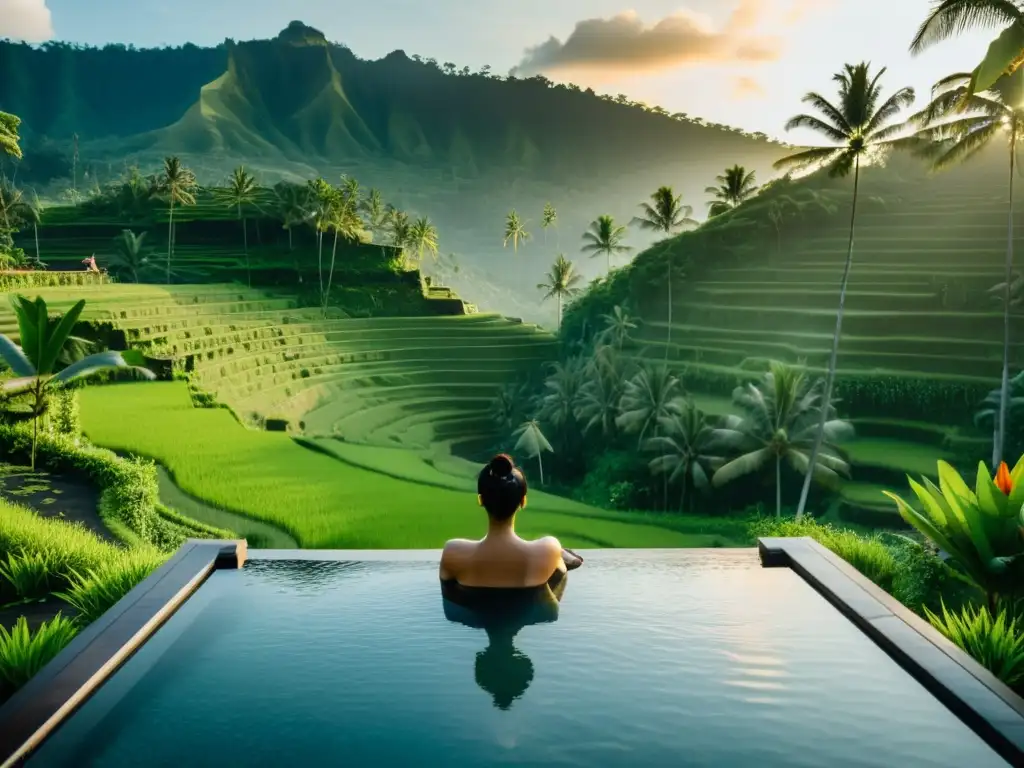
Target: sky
x,y
745,63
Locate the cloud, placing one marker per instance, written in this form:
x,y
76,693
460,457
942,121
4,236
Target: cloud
x,y
624,43
744,88
27,20
800,9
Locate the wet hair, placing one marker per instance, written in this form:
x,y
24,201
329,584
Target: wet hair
x,y
502,487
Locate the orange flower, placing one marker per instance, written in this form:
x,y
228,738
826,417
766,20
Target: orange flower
x,y
1003,480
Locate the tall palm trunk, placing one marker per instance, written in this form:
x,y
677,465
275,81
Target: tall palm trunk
x,y
830,376
999,436
35,231
245,245
170,238
609,255
558,322
540,466
668,335
320,259
778,486
330,275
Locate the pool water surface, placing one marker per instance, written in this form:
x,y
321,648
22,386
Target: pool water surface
x,y
696,659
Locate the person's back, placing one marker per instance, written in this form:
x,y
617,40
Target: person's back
x,y
502,559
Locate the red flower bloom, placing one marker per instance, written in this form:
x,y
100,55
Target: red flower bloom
x,y
1003,480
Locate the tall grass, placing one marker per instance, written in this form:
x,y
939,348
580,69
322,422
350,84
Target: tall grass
x,y
28,573
997,643
23,653
94,592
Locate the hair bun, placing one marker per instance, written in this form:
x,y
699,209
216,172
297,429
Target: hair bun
x,y
502,465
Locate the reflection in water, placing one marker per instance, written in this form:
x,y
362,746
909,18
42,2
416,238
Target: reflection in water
x,y
501,669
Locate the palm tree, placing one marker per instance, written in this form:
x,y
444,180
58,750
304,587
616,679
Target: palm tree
x,y
9,137
949,18
240,193
423,237
33,213
561,398
291,203
548,219
375,210
43,339
178,185
651,394
952,128
561,284
532,442
601,394
321,216
684,450
734,186
130,256
515,230
857,127
617,325
667,215
344,220
12,205
605,236
781,424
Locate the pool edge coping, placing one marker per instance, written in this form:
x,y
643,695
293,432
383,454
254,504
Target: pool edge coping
x,y
36,709
973,694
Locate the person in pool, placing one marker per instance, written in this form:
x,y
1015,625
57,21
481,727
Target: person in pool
x,y
501,558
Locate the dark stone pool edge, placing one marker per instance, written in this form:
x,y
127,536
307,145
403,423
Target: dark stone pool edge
x,y
972,693
97,651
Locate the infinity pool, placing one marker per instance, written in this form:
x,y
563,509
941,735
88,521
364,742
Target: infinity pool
x,y
697,659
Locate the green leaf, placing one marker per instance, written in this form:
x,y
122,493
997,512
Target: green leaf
x,y
56,339
991,500
1002,54
15,358
101,361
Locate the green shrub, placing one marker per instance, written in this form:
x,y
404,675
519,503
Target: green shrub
x,y
94,592
23,654
997,644
868,554
30,574
922,579
64,414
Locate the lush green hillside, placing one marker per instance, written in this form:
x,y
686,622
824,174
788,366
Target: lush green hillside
x,y
463,148
922,336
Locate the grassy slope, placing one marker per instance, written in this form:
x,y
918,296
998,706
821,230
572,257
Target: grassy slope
x,y
324,502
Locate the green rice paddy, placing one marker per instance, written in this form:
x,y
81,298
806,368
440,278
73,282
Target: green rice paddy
x,y
325,501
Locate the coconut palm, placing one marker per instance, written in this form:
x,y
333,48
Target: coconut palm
x,y
685,450
605,236
561,396
734,186
423,238
858,127
509,406
32,213
130,256
515,230
949,18
177,186
531,441
9,137
782,415
561,283
376,212
321,218
617,325
952,128
549,218
240,193
34,364
12,208
667,214
601,393
343,218
291,206
651,394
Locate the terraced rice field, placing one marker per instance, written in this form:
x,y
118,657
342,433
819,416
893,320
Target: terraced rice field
x,y
366,498
409,382
917,309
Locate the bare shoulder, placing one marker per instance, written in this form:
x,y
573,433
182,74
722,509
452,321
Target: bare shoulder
x,y
456,547
548,544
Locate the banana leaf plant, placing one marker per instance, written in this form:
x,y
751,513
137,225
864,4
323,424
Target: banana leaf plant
x,y
980,529
43,339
